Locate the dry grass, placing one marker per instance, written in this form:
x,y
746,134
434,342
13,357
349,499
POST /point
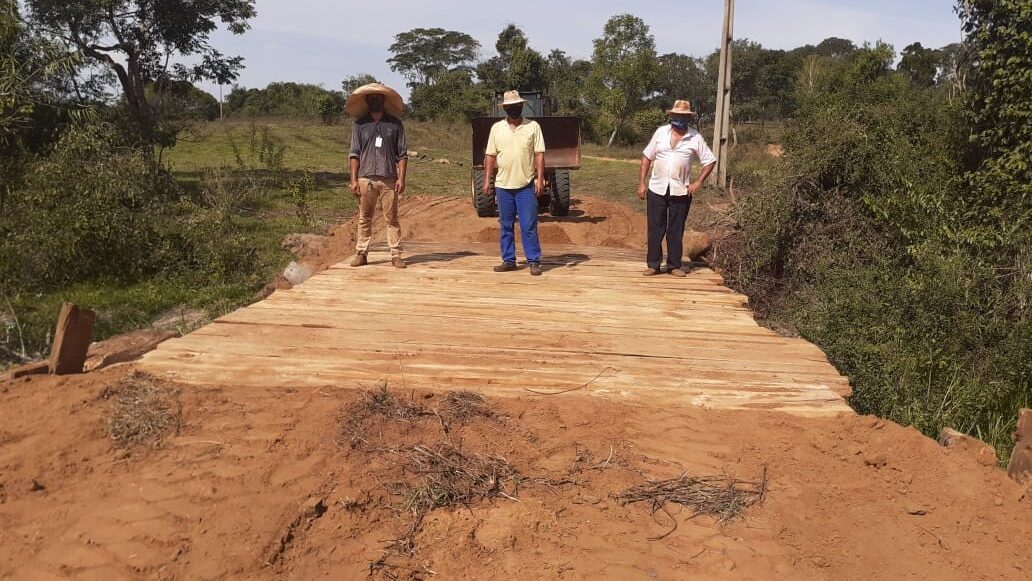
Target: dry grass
x,y
721,497
145,411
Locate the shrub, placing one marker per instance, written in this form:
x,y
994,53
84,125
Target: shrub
x,y
85,211
854,242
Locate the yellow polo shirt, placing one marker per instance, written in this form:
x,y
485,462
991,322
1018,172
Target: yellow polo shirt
x,y
515,149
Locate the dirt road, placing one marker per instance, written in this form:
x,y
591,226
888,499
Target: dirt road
x,y
266,483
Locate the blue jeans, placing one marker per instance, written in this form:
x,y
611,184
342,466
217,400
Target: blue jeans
x,y
520,202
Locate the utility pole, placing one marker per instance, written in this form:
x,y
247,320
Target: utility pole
x,y
722,120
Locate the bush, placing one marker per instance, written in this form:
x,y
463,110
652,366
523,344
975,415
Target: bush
x,y
96,208
85,211
854,242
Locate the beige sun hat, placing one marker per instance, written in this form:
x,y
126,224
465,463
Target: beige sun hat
x,y
681,108
356,105
512,98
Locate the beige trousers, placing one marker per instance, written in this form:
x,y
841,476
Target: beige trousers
x,y
374,189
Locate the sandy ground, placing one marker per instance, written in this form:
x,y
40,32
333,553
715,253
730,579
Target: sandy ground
x,y
260,484
256,486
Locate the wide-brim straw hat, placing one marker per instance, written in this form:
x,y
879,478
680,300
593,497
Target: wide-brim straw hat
x,y
512,98
392,101
681,108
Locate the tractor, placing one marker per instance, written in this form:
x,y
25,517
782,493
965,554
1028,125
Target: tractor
x,y
562,145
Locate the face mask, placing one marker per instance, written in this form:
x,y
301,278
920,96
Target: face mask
x,y
679,124
514,111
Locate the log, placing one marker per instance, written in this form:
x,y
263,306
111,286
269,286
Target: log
x,y
72,339
34,368
127,347
1020,467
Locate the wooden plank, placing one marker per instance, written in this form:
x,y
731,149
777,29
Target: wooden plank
x,y
71,339
449,322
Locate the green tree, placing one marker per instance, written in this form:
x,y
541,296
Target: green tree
x,y
517,66
353,82
625,70
565,79
920,64
137,40
684,77
454,97
421,55
997,212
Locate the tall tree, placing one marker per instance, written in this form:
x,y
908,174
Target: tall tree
x,y
517,66
565,79
625,69
423,54
920,64
137,40
684,77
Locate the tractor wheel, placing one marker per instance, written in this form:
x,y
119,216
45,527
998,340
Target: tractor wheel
x,y
486,205
560,205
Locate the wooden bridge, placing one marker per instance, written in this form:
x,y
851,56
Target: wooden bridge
x,y
591,324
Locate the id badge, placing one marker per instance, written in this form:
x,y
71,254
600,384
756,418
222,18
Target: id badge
x,y
379,141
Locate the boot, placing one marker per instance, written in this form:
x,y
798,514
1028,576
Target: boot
x,y
359,260
398,262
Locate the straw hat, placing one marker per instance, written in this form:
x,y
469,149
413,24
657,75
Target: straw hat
x,y
392,103
512,98
681,108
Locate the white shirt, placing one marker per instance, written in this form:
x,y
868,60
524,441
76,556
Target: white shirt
x,y
672,167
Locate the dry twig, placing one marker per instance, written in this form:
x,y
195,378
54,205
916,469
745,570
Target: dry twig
x,y
721,497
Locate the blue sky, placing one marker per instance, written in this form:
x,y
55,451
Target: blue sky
x,y
323,41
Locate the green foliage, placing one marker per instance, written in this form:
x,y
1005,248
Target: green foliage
x,y
134,40
625,70
282,100
997,207
99,208
853,243
517,66
454,97
84,212
331,108
300,189
422,55
920,64
355,81
684,77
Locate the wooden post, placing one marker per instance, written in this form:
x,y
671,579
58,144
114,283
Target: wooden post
x,y
722,119
72,339
1020,468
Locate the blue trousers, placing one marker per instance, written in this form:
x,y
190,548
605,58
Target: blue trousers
x,y
520,202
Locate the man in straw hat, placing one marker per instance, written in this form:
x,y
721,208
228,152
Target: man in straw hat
x,y
670,154
377,162
516,147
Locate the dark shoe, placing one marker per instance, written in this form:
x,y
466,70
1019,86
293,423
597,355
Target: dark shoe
x,y
505,267
359,260
677,272
398,262
535,269
650,272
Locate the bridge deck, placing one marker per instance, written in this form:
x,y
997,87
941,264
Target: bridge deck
x,y
448,322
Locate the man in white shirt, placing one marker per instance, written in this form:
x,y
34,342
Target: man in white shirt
x,y
670,154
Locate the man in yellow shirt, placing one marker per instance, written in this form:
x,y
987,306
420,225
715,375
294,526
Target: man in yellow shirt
x,y
516,147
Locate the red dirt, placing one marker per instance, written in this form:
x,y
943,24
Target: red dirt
x,y
592,222
256,486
